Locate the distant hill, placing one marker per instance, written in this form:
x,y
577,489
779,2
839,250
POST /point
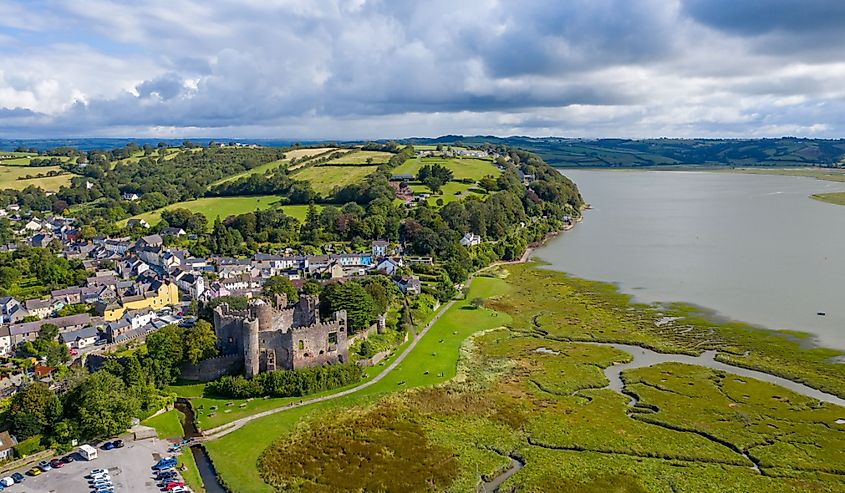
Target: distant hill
x,y
564,152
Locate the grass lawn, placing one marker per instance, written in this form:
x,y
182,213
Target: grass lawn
x,y
191,474
235,455
450,192
471,168
361,157
325,178
212,207
258,170
168,425
837,198
9,178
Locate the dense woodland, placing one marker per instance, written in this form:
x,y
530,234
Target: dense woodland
x,y
557,151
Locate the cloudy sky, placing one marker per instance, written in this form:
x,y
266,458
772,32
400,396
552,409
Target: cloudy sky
x,y
350,69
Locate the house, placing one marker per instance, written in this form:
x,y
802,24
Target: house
x,y
130,196
80,338
216,290
132,267
170,231
27,331
7,444
402,177
155,295
388,266
136,223
408,284
11,310
41,240
39,308
352,259
470,239
191,283
5,341
33,225
380,248
149,241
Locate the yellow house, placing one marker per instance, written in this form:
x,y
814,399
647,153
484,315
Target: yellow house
x,y
157,296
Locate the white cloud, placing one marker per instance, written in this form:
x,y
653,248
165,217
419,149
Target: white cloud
x,y
377,69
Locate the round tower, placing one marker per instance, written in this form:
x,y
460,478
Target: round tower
x,y
251,350
264,314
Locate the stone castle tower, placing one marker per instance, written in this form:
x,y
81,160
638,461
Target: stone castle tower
x,y
281,337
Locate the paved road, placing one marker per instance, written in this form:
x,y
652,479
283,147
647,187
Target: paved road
x,y
222,430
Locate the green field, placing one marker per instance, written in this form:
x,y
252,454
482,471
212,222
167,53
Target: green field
x,y
9,178
837,198
213,207
481,399
325,178
828,174
223,207
361,157
258,170
168,425
473,169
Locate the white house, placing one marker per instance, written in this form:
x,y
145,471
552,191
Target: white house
x,y
80,338
388,266
470,239
7,443
380,248
5,341
130,196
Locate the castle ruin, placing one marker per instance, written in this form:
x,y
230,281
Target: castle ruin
x,y
279,337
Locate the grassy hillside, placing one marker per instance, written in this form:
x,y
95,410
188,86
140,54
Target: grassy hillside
x,y
660,152
325,178
470,168
12,177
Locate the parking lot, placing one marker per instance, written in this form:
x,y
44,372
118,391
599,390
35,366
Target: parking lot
x,y
129,468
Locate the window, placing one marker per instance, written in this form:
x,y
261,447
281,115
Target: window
x,y
302,345
231,340
332,337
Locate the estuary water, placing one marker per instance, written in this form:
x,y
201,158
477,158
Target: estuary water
x,y
753,248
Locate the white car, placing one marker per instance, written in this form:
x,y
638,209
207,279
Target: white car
x,y
98,477
7,481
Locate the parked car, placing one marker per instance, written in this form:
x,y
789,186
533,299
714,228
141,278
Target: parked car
x,y
7,481
173,484
108,446
118,443
57,464
101,342
98,471
18,477
44,466
68,459
34,471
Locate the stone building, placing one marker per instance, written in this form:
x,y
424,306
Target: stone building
x,y
281,337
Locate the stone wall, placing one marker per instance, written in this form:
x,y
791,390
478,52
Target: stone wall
x,y
213,368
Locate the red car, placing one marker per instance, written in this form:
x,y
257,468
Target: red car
x,y
57,463
174,484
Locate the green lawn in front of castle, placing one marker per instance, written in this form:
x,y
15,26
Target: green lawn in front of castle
x,y
235,455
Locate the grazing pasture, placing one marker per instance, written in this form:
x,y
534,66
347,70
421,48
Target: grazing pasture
x,y
325,178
